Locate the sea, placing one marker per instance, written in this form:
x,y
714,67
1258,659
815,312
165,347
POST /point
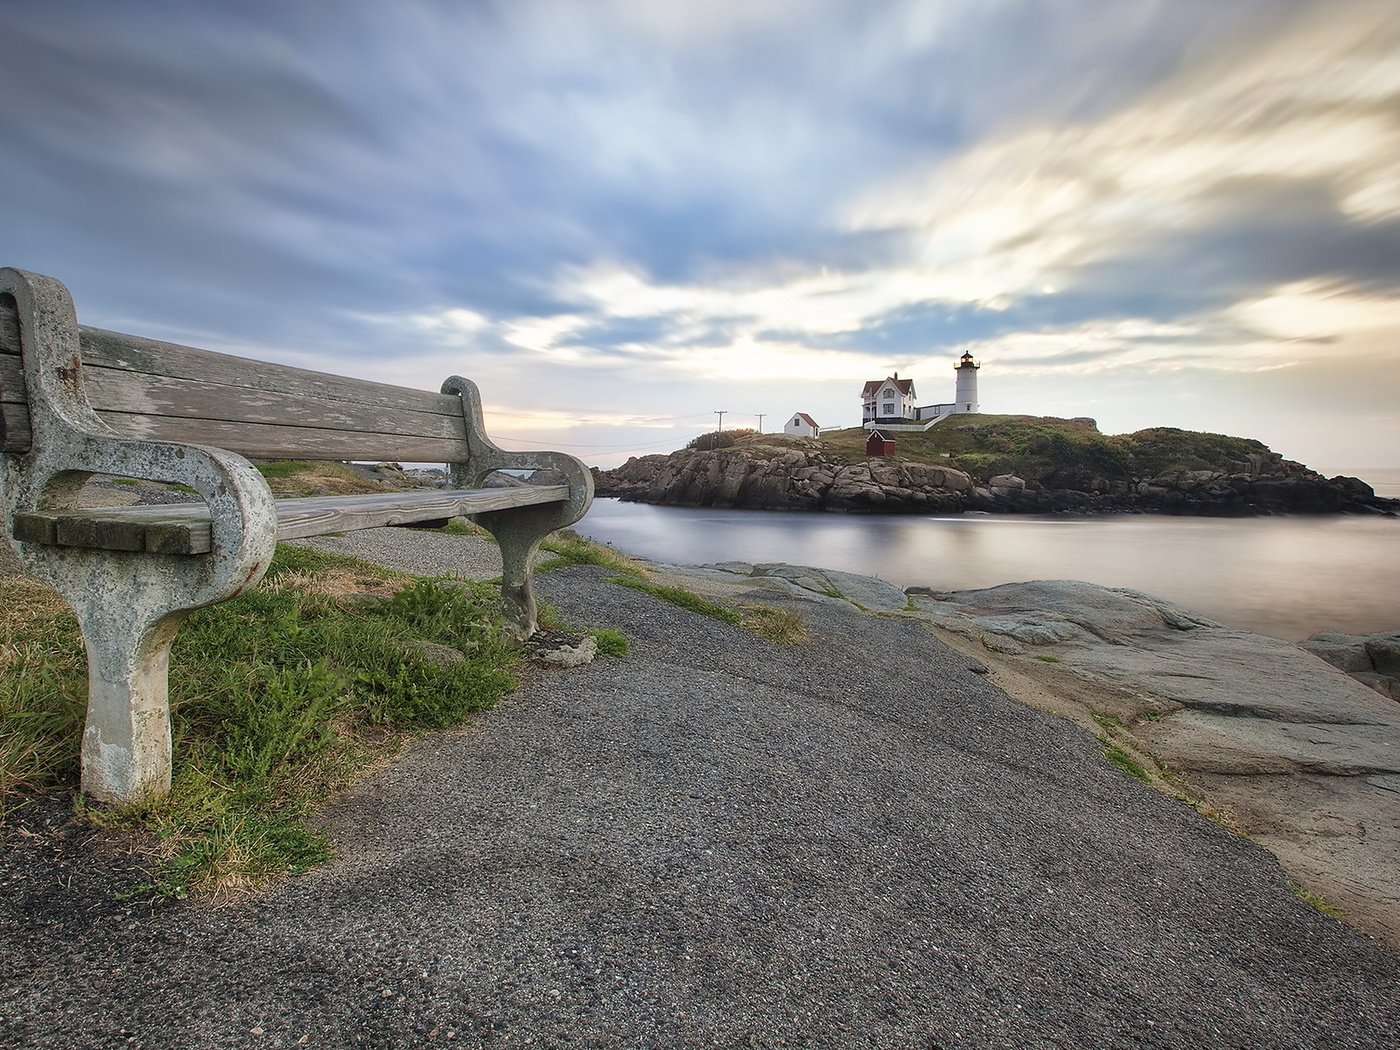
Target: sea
x,y
1287,576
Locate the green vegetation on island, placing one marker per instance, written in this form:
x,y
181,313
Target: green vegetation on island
x,y
1043,449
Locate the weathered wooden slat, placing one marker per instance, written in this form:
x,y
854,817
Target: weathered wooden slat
x,y
35,528
250,418
130,353
11,380
9,325
138,393
79,530
14,428
14,415
268,441
183,528
255,440
133,354
318,515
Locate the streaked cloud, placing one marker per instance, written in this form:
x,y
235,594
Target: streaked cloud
x,y
611,212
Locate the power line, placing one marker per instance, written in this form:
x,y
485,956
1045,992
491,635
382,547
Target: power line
x,y
669,445
570,444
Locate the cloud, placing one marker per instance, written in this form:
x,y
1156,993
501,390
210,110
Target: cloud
x,y
686,204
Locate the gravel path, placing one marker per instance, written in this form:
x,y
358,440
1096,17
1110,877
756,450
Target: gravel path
x,y
720,842
421,551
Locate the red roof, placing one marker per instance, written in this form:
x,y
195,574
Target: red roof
x,y
807,419
905,385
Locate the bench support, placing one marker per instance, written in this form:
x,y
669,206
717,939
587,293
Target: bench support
x,y
518,530
129,603
126,742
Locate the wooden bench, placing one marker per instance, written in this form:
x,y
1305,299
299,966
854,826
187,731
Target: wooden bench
x,y
77,401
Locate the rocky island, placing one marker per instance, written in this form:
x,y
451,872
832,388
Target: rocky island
x,y
1001,464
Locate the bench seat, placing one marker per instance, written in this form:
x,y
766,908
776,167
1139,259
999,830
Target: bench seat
x,y
184,528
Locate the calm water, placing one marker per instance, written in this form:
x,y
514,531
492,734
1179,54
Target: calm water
x,y
1286,576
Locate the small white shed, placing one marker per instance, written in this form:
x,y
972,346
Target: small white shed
x,y
802,425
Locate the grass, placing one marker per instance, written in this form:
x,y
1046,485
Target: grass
x,y
569,548
43,689
285,468
780,626
1048,659
297,477
278,698
462,527
611,642
1124,761
775,625
1060,453
1315,901
685,599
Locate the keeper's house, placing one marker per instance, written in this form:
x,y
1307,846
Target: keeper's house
x,y
887,400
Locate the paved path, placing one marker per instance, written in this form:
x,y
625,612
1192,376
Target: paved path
x,y
720,842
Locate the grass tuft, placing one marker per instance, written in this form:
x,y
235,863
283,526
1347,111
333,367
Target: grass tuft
x,y
569,548
685,599
1124,761
775,625
317,478
1315,901
780,626
611,642
462,527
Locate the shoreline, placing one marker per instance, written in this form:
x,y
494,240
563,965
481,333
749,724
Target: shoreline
x,y
1287,577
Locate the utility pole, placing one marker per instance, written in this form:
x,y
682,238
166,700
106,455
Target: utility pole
x,y
720,412
760,421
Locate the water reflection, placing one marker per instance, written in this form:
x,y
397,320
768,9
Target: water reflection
x,y
1286,576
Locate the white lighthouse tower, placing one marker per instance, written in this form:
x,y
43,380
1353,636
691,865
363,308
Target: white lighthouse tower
x,y
965,400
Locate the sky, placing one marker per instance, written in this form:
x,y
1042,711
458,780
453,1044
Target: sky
x,y
620,217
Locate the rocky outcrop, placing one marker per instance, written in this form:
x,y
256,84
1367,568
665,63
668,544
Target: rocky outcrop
x,y
777,477
1372,659
766,477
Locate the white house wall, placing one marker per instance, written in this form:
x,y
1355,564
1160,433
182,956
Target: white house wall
x,y
798,429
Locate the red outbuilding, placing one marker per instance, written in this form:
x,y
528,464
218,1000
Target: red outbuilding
x,y
879,444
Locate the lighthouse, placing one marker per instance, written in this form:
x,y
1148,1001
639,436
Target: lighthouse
x,y
889,403
966,397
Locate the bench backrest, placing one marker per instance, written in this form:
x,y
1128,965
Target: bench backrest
x,y
144,388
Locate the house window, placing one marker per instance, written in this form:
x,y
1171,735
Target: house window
x,y
889,409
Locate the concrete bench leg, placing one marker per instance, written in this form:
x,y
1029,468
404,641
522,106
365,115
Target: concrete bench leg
x,y
126,742
518,532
